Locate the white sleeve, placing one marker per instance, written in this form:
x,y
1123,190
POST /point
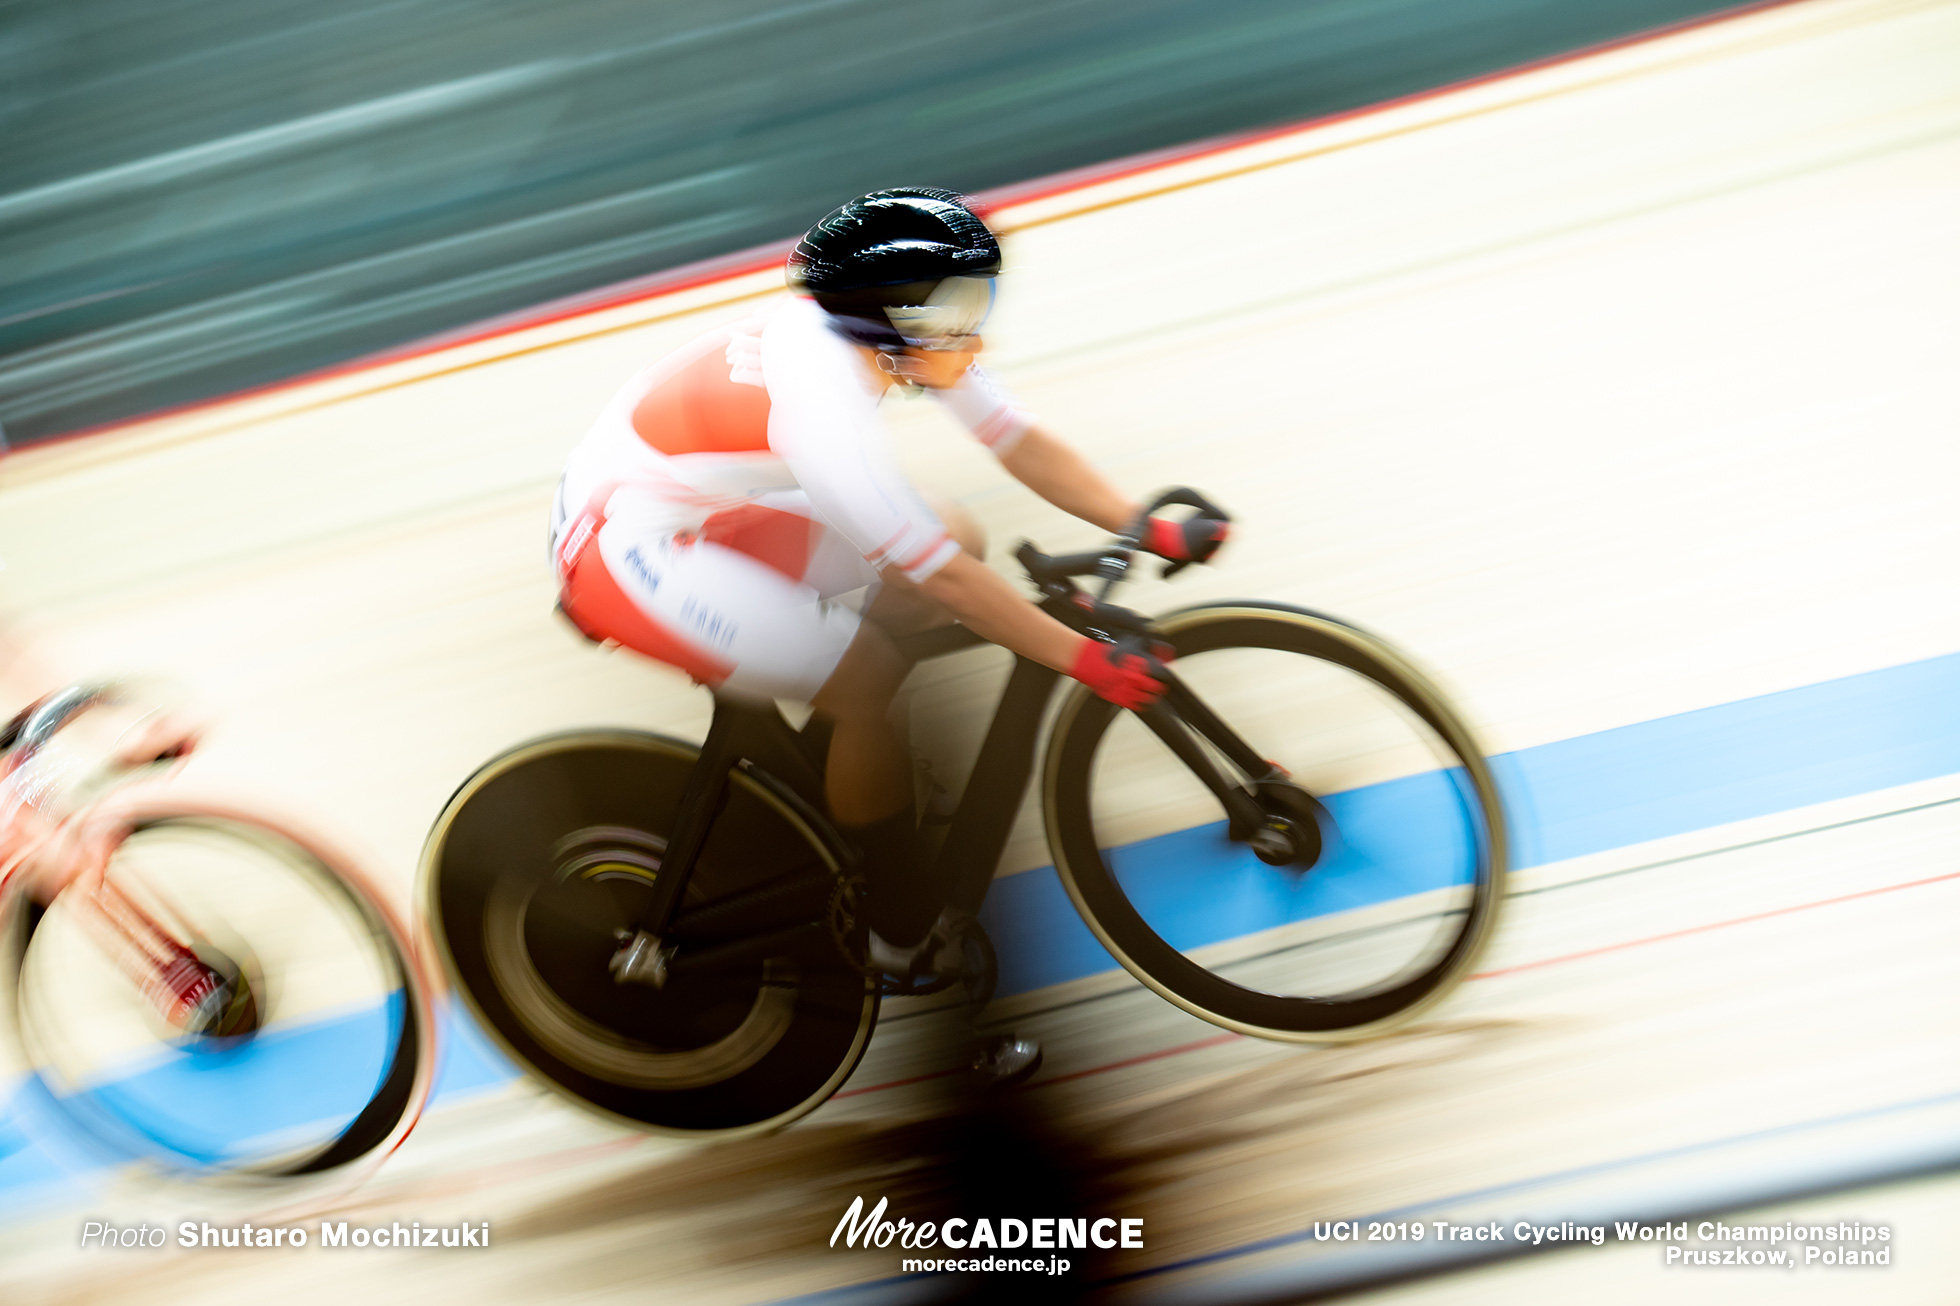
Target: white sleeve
x,y
987,410
823,423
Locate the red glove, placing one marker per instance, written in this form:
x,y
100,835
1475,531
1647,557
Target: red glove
x,y
1192,540
1125,678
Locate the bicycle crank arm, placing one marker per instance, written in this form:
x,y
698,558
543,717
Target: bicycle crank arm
x,y
676,960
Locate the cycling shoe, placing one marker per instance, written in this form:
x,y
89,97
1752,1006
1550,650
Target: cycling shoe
x,y
942,953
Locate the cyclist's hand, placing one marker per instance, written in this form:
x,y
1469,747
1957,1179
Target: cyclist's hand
x,y
1192,540
1121,675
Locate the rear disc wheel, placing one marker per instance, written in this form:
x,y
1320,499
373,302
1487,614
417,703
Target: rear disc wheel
x,y
542,867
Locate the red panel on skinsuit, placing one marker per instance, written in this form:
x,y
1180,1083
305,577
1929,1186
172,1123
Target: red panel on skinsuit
x,y
696,407
779,540
599,607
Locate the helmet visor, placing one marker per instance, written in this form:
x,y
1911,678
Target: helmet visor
x,y
956,309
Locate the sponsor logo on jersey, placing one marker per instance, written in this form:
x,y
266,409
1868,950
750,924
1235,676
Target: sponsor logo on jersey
x,y
716,629
647,575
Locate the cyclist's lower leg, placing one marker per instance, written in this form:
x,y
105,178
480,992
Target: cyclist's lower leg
x,y
868,782
868,774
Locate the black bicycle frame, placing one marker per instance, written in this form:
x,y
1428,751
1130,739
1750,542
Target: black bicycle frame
x,y
755,738
999,781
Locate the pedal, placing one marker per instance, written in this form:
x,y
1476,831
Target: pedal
x,y
1004,1062
978,972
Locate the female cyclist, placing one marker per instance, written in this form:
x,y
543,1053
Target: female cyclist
x,y
737,512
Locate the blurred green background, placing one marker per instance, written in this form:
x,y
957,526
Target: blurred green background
x,y
202,195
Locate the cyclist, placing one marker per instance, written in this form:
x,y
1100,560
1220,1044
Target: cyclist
x,y
737,512
47,859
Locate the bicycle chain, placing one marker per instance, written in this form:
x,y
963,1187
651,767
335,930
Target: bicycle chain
x,y
842,917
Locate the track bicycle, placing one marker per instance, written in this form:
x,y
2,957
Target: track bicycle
x,y
1300,841
208,991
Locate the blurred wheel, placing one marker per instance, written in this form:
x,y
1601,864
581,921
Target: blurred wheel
x,y
1376,877
316,1049
541,869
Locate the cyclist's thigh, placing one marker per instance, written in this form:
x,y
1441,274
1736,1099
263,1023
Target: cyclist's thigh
x,y
820,557
711,609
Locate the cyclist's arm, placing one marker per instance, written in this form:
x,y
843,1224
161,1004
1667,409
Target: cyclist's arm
x,y
1034,457
987,604
1059,474
823,423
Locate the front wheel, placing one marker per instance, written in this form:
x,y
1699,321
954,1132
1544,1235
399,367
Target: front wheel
x,y
1375,877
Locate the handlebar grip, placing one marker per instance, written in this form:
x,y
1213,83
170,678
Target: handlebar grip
x,y
1185,496
1047,569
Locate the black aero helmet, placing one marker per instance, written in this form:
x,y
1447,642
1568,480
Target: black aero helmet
x,y
889,250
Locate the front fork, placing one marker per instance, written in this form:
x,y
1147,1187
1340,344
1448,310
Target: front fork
x,y
1174,718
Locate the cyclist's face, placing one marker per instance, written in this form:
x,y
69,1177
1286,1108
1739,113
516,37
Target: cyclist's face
x,y
941,369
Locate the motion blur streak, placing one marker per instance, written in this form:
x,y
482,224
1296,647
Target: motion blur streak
x,y
201,195
1617,392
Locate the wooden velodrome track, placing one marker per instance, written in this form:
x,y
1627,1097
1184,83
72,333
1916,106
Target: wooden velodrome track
x,y
1619,392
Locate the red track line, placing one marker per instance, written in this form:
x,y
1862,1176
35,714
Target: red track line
x,y
1095,174
742,262
1716,925
1202,1043
1218,1039
453,1182
898,1083
542,1164
1127,1062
